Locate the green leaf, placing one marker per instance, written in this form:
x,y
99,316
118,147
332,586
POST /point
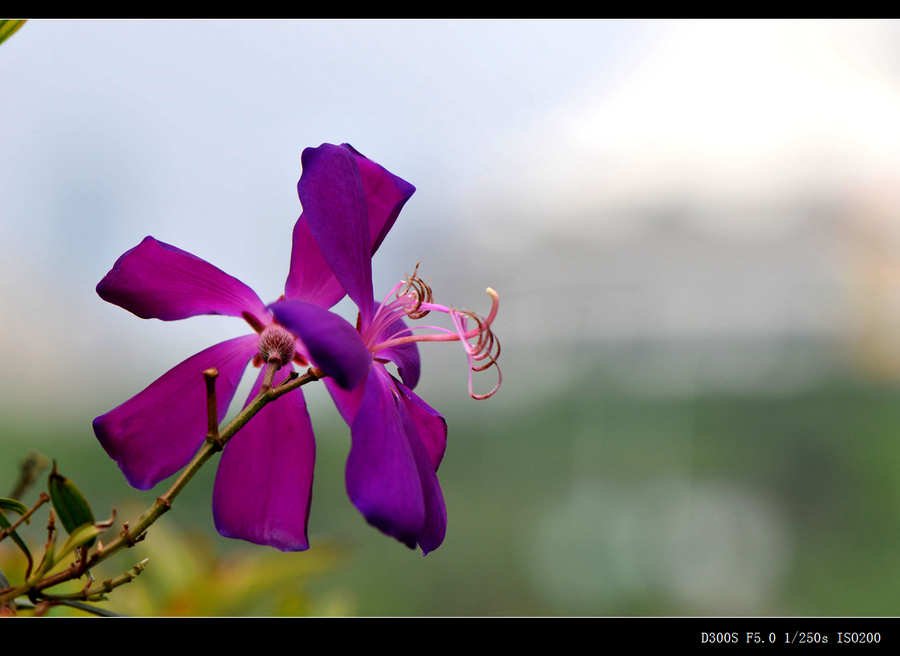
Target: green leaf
x,y
7,27
14,505
68,501
83,535
4,523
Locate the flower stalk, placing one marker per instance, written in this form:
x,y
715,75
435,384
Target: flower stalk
x,y
36,582
164,502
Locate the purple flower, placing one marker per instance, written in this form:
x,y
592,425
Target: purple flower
x,y
398,441
264,481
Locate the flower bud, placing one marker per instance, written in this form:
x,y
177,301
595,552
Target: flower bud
x,y
68,501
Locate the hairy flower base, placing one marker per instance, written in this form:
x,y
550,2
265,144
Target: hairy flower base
x,y
276,345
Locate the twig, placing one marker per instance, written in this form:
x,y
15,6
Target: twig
x,y
163,503
97,592
129,536
44,498
212,408
32,467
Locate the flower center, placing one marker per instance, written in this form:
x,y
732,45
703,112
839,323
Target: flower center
x,y
276,345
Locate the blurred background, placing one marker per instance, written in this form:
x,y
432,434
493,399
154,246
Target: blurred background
x,y
694,229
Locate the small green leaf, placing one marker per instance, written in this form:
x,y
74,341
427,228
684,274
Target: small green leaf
x,y
14,505
83,535
7,27
68,501
4,523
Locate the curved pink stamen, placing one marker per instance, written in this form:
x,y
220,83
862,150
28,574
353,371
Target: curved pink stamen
x,y
479,351
414,306
452,336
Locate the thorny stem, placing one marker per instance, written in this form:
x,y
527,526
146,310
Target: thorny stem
x,y
129,536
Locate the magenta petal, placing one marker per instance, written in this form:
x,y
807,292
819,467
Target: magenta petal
x,y
264,482
333,344
310,278
434,527
428,423
156,280
426,434
154,434
383,479
385,196
334,206
347,402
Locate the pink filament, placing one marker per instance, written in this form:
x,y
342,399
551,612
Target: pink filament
x,y
412,306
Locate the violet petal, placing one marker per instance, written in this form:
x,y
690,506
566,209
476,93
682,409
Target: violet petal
x,y
154,434
264,482
385,196
383,478
429,424
347,402
155,280
310,278
334,206
333,344
434,528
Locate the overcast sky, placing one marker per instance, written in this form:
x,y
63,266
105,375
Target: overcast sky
x,y
191,131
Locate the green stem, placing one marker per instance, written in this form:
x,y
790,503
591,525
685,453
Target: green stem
x,y
129,536
97,593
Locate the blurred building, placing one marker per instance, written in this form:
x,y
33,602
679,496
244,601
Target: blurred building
x,y
678,303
